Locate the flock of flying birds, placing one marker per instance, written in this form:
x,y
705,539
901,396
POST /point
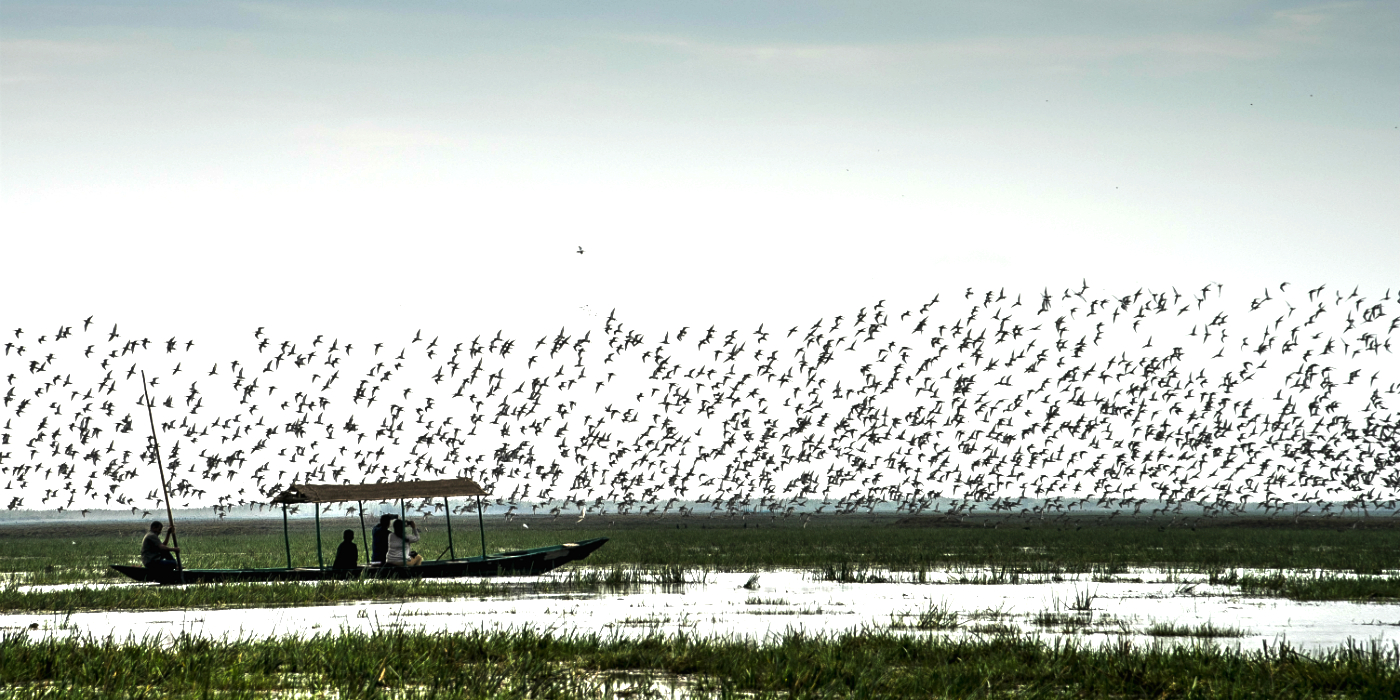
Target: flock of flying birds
x,y
977,400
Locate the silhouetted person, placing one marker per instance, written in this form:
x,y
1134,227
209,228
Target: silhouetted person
x,y
347,555
155,554
379,539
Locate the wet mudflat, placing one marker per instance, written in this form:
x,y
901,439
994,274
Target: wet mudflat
x,y
1138,605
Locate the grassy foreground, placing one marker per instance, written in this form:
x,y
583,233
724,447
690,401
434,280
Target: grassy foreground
x,y
531,664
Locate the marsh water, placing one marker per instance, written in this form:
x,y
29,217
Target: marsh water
x,y
1137,605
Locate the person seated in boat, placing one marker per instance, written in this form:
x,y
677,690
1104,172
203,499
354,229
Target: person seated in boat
x,y
347,555
379,539
399,539
156,554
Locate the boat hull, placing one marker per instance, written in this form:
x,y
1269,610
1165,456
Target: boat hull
x,y
527,562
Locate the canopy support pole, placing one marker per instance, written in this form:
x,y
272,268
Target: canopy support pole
x,y
320,559
403,515
481,522
363,540
448,510
155,444
286,538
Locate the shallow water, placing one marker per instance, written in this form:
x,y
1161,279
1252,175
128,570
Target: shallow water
x,y
1121,607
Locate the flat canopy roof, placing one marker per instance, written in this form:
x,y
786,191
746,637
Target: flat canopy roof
x,y
388,491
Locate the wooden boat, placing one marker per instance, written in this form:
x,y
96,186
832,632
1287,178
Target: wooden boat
x,y
524,562
527,562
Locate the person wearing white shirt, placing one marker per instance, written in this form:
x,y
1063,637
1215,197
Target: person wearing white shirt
x,y
399,539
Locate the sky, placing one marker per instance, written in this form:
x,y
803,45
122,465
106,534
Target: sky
x,y
239,164
366,170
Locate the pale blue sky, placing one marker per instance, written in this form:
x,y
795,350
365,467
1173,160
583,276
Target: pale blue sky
x,y
268,161
364,170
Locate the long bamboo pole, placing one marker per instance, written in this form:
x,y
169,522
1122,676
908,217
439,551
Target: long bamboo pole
x,y
165,488
448,506
481,522
320,559
364,540
286,537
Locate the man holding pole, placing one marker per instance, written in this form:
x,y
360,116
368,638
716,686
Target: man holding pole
x,y
160,551
155,554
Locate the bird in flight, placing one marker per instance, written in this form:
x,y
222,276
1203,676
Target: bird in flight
x,y
580,250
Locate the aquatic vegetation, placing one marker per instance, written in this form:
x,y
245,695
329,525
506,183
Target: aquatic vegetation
x,y
1083,601
997,576
1315,586
622,578
790,611
934,617
1070,622
846,572
1322,587
756,600
1205,630
1061,619
241,595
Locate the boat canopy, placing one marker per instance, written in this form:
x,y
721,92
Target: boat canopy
x,y
335,493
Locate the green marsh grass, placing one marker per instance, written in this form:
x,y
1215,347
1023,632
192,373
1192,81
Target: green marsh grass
x,y
534,664
1311,586
1317,586
15,598
239,595
82,552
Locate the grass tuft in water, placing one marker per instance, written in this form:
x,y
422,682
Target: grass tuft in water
x,y
757,600
1205,630
1067,621
847,572
934,617
1083,601
622,578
